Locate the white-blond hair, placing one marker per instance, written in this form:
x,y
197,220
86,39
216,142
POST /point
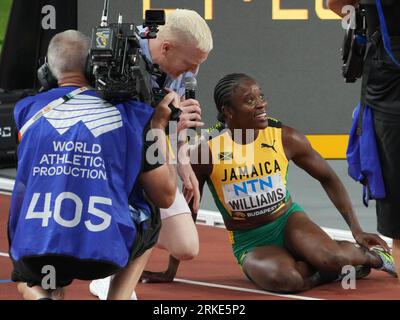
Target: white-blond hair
x,y
183,26
67,52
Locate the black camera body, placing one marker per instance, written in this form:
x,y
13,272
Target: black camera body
x,y
116,64
354,47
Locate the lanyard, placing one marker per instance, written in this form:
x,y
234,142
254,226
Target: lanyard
x,y
49,107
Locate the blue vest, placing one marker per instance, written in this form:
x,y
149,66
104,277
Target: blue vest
x,y
363,158
77,166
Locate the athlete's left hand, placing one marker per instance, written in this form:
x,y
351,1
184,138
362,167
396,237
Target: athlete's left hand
x,y
368,240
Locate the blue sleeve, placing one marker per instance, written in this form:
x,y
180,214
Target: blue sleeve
x,y
140,113
143,111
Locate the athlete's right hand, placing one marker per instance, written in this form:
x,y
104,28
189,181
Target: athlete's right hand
x,y
369,240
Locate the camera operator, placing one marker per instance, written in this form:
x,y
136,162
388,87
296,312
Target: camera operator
x,y
181,45
381,94
79,160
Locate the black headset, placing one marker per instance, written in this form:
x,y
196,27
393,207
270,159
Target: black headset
x,y
46,78
48,81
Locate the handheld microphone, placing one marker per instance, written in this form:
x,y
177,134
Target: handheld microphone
x,y
190,84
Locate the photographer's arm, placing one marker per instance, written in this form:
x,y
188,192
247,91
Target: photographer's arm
x,y
160,184
337,5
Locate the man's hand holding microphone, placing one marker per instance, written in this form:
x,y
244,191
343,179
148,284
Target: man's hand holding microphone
x,y
189,119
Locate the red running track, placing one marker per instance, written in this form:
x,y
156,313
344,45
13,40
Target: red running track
x,y
213,275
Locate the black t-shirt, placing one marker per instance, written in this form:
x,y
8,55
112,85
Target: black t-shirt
x,y
391,11
383,85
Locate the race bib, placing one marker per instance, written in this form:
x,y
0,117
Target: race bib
x,y
255,197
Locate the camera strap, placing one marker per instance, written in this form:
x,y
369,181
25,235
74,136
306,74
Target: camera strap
x,y
48,108
385,33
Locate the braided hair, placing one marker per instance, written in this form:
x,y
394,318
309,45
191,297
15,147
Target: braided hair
x,y
224,89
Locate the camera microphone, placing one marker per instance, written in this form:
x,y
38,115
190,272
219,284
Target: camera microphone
x,y
190,84
104,17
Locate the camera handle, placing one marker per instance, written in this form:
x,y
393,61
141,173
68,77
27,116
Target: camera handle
x,y
175,112
158,95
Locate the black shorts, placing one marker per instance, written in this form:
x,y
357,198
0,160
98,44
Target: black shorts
x,y
148,232
383,85
387,129
30,269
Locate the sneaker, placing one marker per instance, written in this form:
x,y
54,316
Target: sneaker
x,y
100,288
387,261
362,271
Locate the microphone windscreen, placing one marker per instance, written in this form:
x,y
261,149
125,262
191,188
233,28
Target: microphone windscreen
x,y
190,83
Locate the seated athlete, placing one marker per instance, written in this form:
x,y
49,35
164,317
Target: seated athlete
x,y
278,246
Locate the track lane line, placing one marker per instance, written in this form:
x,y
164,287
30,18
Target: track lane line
x,y
221,286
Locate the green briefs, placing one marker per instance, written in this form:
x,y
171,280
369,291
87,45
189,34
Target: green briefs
x,y
271,234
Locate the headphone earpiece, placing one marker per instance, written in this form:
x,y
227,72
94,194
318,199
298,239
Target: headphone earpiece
x,y
89,72
46,78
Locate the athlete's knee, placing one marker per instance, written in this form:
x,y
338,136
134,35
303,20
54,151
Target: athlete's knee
x,y
284,281
186,250
184,254
274,278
